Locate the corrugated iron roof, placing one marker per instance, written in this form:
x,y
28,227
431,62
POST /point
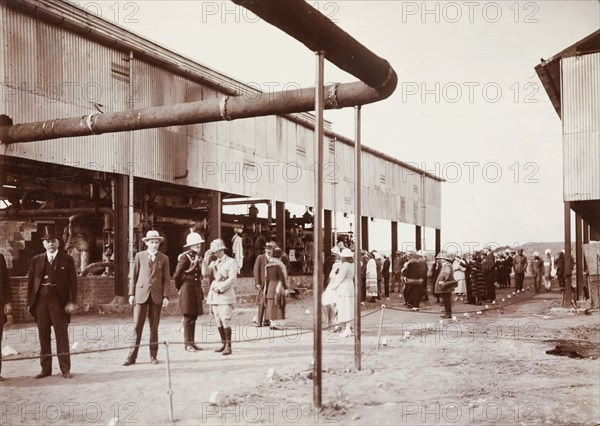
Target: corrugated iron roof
x,y
548,70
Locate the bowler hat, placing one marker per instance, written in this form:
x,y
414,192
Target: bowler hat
x,y
153,235
277,252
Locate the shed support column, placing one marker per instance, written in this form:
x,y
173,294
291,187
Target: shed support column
x,y
394,239
364,228
121,235
280,224
567,298
578,255
215,206
438,241
418,238
327,243
594,234
586,232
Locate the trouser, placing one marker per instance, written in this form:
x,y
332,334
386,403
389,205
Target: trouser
x,y
397,283
490,288
363,290
447,302
386,286
189,329
49,313
537,282
140,311
261,301
416,293
519,278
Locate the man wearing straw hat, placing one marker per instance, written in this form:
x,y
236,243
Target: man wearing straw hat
x,y
148,291
51,296
188,281
260,281
221,294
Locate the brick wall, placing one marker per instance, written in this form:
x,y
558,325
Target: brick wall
x,y
91,291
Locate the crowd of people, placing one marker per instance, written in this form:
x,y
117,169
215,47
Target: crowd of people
x,y
52,287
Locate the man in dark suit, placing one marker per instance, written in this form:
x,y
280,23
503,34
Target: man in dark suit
x,y
5,300
148,290
51,296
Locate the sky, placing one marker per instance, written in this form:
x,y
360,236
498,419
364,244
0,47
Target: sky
x,y
469,106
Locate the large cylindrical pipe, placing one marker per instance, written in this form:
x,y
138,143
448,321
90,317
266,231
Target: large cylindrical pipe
x,y
317,32
226,108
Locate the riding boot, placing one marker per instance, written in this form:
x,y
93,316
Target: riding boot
x,y
227,350
223,339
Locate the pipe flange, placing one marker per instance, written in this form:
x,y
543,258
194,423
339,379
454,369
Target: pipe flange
x,y
332,95
223,108
89,123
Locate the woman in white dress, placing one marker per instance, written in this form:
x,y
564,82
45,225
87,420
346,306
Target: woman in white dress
x,y
328,299
459,276
343,285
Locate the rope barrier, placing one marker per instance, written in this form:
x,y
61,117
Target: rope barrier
x,y
491,308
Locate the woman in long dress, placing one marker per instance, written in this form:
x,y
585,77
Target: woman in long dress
x,y
459,276
276,275
343,285
328,299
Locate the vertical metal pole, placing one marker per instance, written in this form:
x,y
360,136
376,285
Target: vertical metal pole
x,y
380,327
578,255
318,230
358,242
130,203
567,297
169,388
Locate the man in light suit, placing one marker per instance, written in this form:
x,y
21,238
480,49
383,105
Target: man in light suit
x,y
148,291
51,296
221,295
5,300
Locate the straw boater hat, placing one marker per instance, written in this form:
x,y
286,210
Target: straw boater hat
x,y
346,253
153,235
270,244
238,230
192,239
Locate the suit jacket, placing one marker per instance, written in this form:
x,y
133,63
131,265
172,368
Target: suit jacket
x,y
65,279
147,282
5,290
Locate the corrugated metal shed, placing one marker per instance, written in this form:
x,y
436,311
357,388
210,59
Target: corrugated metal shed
x,y
580,101
59,71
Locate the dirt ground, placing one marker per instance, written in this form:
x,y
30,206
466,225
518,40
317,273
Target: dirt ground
x,y
482,369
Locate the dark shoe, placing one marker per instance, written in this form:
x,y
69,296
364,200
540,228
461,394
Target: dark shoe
x,y
2,379
129,362
222,334
153,360
42,375
67,375
446,316
195,346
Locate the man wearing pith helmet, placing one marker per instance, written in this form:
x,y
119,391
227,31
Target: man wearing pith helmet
x,y
221,294
188,281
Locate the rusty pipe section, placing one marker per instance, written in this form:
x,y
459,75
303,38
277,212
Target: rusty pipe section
x,y
226,108
58,213
317,32
379,83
